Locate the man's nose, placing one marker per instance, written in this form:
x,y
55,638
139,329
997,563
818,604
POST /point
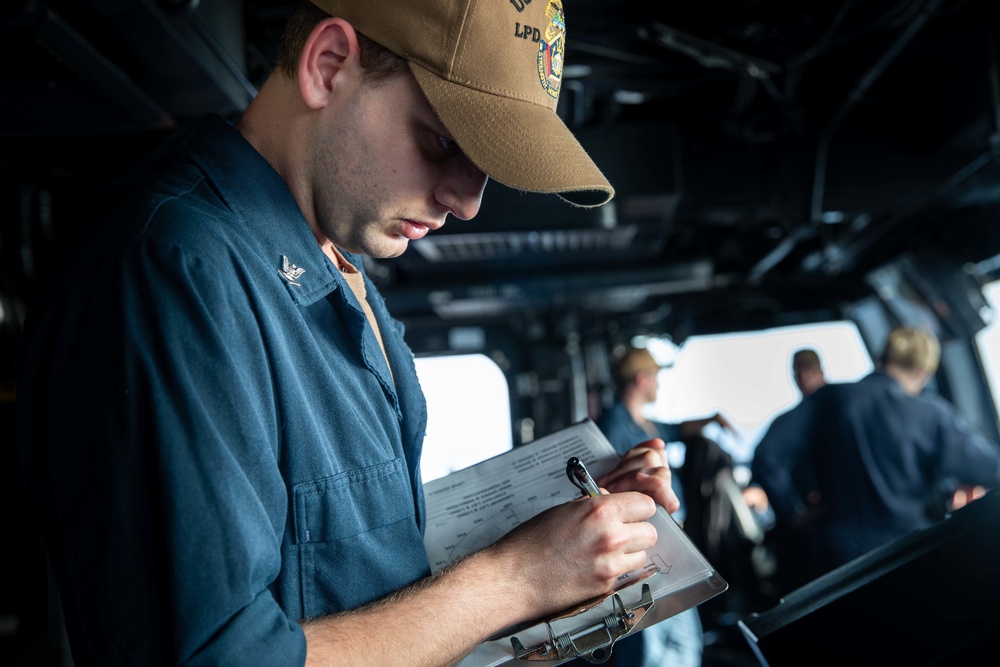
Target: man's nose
x,y
461,188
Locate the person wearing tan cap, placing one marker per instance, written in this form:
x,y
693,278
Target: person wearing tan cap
x,y
220,423
677,641
636,376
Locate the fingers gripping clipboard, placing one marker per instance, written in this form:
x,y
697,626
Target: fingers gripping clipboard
x,y
472,508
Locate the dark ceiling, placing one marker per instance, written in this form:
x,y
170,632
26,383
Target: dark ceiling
x,y
767,153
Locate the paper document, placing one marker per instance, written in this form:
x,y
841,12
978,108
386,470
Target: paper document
x,y
472,508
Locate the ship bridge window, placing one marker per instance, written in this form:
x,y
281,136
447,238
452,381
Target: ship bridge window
x,y
468,412
988,340
747,377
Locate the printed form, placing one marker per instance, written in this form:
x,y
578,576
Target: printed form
x,y
472,508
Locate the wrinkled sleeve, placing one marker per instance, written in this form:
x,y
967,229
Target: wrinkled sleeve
x,y
149,448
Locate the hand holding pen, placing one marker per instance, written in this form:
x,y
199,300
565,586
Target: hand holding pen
x,y
644,468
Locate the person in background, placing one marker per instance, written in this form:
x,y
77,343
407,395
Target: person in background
x,y
637,384
790,537
678,641
220,423
807,371
879,448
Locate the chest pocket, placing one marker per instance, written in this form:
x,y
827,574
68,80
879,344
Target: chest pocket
x,y
357,537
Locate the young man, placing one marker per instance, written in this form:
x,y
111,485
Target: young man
x,y
791,536
808,375
878,448
636,376
807,371
678,641
220,423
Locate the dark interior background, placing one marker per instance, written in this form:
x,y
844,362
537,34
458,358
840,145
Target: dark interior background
x,y
767,153
772,158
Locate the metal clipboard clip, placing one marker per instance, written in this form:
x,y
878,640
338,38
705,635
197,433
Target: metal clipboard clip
x,y
593,643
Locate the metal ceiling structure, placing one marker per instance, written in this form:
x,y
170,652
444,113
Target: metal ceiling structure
x,y
763,150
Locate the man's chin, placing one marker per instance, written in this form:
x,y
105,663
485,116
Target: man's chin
x,y
396,248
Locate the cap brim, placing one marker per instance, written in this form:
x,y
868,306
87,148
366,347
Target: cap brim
x,y
520,144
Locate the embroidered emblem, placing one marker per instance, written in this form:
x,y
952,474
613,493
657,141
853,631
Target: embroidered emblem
x,y
290,272
550,50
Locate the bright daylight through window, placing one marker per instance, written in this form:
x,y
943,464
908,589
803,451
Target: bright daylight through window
x,y
468,412
745,376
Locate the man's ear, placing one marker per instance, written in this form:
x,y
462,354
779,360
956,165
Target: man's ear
x,y
331,48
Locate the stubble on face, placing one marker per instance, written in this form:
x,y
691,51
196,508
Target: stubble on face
x,y
355,174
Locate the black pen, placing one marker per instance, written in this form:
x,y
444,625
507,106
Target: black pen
x,y
578,474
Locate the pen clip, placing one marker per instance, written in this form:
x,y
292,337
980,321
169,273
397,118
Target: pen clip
x,y
578,474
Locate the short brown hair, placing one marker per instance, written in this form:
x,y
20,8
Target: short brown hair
x,y
912,349
377,61
806,358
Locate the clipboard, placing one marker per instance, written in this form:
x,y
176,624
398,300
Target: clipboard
x,y
590,631
474,507
593,642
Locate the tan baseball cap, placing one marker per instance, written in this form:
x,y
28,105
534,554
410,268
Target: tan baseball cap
x,y
636,360
492,70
